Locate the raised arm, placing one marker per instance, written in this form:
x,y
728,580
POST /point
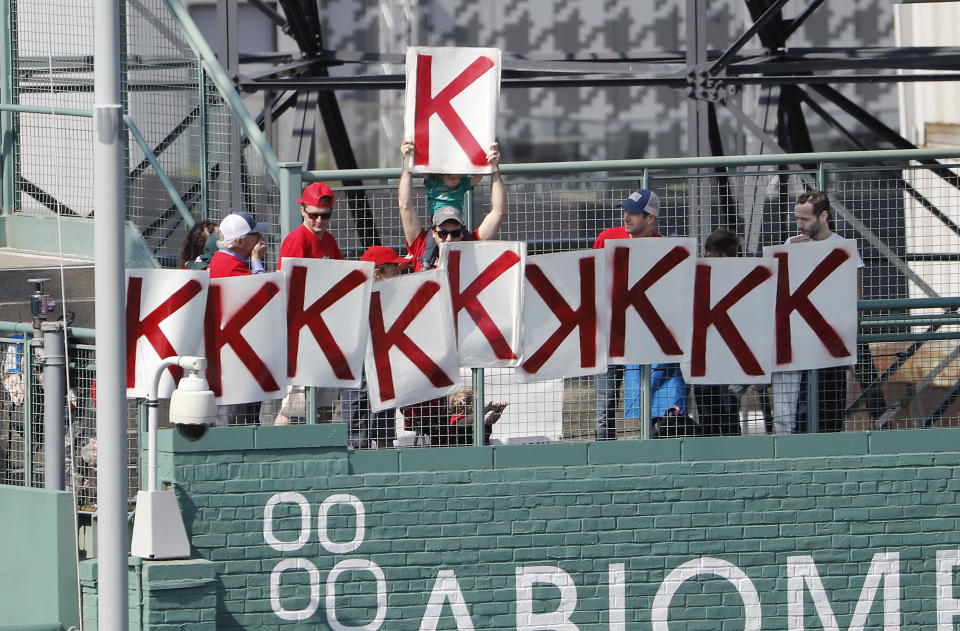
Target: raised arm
x,y
490,226
408,212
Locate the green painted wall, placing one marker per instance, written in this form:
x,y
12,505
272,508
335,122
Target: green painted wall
x,y
176,595
853,529
38,575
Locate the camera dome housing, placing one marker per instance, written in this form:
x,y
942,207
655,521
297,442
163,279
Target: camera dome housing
x,y
192,407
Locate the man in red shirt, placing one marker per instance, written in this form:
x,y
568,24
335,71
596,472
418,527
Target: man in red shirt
x,y
640,212
448,226
241,247
312,239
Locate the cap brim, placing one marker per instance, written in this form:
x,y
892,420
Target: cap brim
x,y
261,227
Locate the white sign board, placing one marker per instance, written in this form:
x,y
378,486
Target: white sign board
x,y
245,338
164,312
486,289
816,312
412,349
325,338
451,108
563,321
648,290
732,339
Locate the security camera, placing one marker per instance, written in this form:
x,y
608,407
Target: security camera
x,y
192,406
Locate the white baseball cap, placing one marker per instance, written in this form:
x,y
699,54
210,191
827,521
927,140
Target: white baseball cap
x,y
240,224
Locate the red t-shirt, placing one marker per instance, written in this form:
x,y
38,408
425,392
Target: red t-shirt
x,y
303,243
613,233
420,244
224,265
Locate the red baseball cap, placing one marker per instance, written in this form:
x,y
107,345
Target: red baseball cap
x,y
313,193
380,254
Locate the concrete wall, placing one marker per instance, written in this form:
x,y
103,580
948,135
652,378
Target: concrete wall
x,y
848,531
38,572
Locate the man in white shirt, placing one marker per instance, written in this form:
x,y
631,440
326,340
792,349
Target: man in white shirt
x,y
815,222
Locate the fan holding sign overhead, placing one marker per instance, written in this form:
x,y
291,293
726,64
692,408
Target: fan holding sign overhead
x,y
450,117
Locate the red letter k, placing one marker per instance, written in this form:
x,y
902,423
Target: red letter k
x,y
428,105
467,299
383,340
799,301
216,337
312,317
585,317
149,327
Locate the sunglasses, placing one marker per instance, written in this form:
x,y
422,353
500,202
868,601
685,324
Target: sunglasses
x,y
324,216
453,234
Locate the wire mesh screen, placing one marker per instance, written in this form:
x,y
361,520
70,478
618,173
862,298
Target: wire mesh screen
x,y
51,68
204,159
16,437
902,220
22,427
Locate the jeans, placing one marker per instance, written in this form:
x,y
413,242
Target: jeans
x,y
607,390
366,426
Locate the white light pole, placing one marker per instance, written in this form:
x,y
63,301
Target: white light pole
x,y
109,206
158,531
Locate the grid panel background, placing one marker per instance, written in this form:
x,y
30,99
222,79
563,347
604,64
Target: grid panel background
x,y
213,168
908,249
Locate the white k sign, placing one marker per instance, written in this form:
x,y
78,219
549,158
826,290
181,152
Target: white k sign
x,y
451,107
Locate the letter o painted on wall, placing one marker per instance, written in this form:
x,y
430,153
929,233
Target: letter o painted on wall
x,y
331,606
286,498
360,527
294,614
706,565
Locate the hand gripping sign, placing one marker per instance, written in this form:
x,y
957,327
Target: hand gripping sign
x,y
451,107
732,339
325,338
412,352
164,316
816,312
563,330
647,289
486,289
244,336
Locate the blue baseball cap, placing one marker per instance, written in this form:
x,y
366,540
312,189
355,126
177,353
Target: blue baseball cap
x,y
642,200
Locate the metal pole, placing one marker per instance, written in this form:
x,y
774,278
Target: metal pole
x,y
108,152
54,392
479,426
698,131
204,166
26,364
646,396
289,185
476,377
6,118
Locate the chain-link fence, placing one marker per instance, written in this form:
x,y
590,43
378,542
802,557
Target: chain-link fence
x,y
903,219
189,157
22,401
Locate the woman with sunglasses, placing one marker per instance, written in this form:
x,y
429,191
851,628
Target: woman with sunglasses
x,y
447,224
312,239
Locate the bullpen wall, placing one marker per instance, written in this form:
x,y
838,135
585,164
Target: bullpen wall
x,y
839,531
